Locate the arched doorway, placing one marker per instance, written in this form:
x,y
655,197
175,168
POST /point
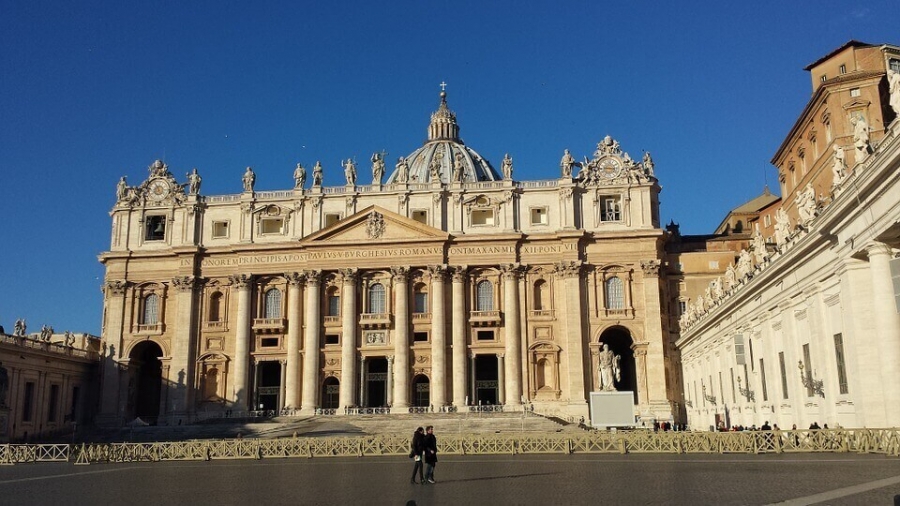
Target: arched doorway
x,y
421,391
331,391
620,342
145,381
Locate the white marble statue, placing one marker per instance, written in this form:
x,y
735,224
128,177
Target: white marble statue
x,y
861,138
507,166
121,189
648,164
759,247
194,181
299,177
718,292
745,264
806,205
377,168
349,172
782,227
317,174
402,170
608,367
838,166
566,164
249,179
894,90
730,277
459,168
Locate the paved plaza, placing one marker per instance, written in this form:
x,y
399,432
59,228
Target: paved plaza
x,y
834,479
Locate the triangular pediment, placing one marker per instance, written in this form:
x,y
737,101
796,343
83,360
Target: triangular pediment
x,y
376,224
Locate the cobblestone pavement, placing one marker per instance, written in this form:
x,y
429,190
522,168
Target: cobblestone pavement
x,y
522,479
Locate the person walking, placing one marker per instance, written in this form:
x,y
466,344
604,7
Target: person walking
x,y
416,449
430,453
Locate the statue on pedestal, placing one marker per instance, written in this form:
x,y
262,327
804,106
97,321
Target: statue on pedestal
x,y
299,177
861,137
317,174
194,181
377,168
402,170
894,90
566,164
507,167
609,369
838,166
249,179
350,172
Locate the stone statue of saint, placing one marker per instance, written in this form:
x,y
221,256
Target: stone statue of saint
x,y
759,247
782,226
507,167
121,189
745,264
861,137
194,181
377,168
648,164
566,164
317,174
349,172
806,205
402,170
894,90
717,288
608,367
299,177
459,168
434,169
249,180
730,276
838,166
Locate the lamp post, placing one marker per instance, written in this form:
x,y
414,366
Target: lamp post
x,y
746,392
812,385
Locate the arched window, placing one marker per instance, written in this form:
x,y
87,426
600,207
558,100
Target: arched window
x,y
151,309
376,299
615,293
272,307
420,299
540,295
215,307
484,296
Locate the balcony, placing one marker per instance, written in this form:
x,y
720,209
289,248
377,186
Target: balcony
x,y
619,313
332,321
421,317
149,328
374,320
541,314
484,318
269,324
215,326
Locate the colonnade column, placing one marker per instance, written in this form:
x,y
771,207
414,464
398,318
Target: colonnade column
x,y
401,337
183,346
887,328
459,336
348,338
240,392
513,335
295,323
311,342
438,337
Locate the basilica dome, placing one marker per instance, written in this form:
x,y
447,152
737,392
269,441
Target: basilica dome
x,y
441,151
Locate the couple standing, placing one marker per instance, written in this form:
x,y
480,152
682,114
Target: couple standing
x,y
423,447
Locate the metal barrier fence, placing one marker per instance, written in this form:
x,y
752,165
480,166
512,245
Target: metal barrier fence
x,y
880,441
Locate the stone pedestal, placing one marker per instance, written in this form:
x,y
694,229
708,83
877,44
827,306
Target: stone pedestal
x,y
612,409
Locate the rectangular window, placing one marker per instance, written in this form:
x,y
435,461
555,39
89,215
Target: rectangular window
x,y
784,384
733,392
682,307
482,217
53,404
767,220
894,64
824,78
420,302
334,305
750,349
762,378
841,364
331,219
271,226
854,92
610,209
332,339
807,371
269,342
220,230
420,216
485,335
420,337
155,228
539,216
843,69
721,389
28,401
739,349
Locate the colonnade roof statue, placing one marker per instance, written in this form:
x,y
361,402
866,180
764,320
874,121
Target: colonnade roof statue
x,y
444,154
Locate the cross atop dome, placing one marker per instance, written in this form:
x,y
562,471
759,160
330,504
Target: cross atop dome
x,y
443,86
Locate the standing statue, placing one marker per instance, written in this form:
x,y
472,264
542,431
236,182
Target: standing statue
x,y
434,169
648,164
860,137
566,164
782,226
894,90
459,168
609,369
745,264
402,170
121,189
730,277
717,290
70,339
317,174
507,167
349,172
838,166
20,327
806,205
194,181
249,180
299,177
759,247
377,168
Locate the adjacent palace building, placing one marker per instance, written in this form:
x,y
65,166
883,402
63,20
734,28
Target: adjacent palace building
x,y
442,285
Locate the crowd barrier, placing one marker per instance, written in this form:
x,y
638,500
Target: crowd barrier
x,y
879,441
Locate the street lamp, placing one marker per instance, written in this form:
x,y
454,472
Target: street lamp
x,y
746,392
812,385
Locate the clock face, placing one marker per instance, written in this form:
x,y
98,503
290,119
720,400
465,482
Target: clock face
x,y
609,168
158,189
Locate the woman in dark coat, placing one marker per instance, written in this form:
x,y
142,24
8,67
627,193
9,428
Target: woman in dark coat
x,y
430,453
417,448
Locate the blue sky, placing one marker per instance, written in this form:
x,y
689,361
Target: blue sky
x,y
92,91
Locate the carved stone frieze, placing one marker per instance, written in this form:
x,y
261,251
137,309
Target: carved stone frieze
x,y
375,225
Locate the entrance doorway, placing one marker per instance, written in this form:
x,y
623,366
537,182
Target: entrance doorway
x,y
486,380
375,395
619,341
269,387
331,391
145,381
421,391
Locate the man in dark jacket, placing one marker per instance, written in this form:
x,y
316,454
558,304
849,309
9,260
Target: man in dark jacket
x,y
430,453
416,449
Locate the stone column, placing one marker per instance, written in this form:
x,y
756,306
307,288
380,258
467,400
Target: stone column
x,y
311,342
281,389
459,336
501,380
887,329
240,393
362,381
295,323
438,337
473,397
513,336
401,337
184,347
575,349
656,337
110,408
390,380
348,338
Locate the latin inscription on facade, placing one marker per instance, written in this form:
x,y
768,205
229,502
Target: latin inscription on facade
x,y
314,255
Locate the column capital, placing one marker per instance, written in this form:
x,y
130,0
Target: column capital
x,y
650,267
876,248
459,273
568,269
313,277
349,275
438,272
295,278
186,283
114,287
390,359
400,274
511,272
240,281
